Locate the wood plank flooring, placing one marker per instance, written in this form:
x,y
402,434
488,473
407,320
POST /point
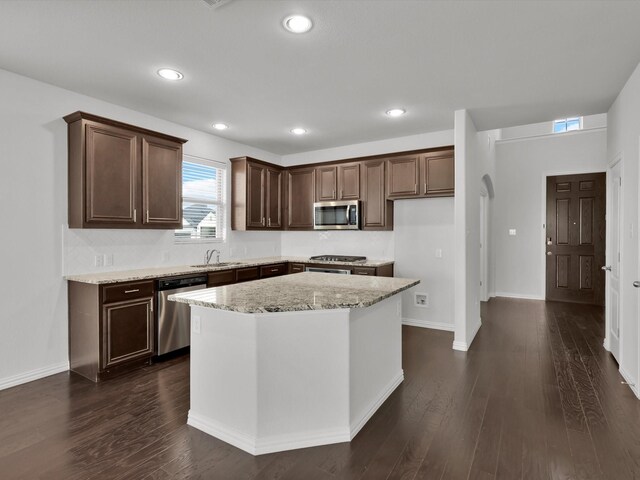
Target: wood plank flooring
x,y
536,397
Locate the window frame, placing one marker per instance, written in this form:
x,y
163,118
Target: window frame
x,y
221,214
565,121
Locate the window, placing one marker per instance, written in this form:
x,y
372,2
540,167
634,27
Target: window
x,y
203,200
567,124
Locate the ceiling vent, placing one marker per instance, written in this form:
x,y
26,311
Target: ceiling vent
x,y
216,3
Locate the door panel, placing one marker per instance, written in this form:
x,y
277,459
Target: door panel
x,y
576,238
255,195
111,174
274,198
613,260
402,176
349,181
161,182
326,178
300,197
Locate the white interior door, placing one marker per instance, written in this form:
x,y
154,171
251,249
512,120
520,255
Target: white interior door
x,y
484,252
613,260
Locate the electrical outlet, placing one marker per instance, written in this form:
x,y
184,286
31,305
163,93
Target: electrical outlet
x,y
438,253
108,259
98,261
399,308
195,324
421,299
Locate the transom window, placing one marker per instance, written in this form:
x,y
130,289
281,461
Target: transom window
x,y
567,124
203,200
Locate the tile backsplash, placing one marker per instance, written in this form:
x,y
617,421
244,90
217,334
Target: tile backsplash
x,y
153,248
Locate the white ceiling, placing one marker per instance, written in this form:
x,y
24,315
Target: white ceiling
x,y
508,62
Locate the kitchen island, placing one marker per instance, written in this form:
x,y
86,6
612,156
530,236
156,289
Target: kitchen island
x,y
294,361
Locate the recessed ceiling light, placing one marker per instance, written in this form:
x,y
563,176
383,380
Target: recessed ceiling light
x,y
297,23
220,126
298,131
170,74
396,112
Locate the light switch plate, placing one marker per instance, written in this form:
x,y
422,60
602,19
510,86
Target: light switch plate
x,y
98,261
512,232
438,253
108,259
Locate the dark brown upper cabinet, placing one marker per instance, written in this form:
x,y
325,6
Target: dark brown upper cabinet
x,y
428,174
377,211
338,182
403,176
256,195
122,176
300,197
437,174
326,183
273,197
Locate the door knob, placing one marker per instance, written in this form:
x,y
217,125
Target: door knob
x,y
549,253
636,284
606,268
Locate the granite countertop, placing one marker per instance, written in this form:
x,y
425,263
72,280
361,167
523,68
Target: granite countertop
x,y
99,278
298,292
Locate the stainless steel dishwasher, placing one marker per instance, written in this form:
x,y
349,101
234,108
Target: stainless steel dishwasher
x,y
174,319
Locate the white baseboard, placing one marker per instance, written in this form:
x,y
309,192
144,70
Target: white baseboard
x,y
280,443
375,405
449,327
464,346
32,375
524,296
632,382
257,446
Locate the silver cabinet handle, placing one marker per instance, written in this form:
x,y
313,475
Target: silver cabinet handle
x,y
636,284
274,269
132,291
606,268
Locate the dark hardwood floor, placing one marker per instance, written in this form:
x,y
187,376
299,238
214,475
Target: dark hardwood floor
x,y
536,397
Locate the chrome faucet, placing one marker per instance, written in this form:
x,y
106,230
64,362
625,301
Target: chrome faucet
x,y
209,254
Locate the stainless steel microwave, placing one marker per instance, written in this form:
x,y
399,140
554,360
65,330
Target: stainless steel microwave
x,y
336,215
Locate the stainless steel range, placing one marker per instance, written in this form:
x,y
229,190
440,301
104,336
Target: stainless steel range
x,y
339,258
334,258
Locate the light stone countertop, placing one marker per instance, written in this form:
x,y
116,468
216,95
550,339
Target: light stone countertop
x,y
298,292
100,278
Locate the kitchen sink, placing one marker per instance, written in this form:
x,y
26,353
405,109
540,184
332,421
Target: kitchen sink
x,y
221,264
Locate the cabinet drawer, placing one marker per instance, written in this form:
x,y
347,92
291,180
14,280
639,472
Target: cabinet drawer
x,y
126,291
364,271
272,270
296,267
225,277
246,274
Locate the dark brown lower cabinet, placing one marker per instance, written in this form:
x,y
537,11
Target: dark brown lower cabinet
x,y
273,270
296,267
127,331
111,328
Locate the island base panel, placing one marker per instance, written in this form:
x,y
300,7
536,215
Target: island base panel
x,y
279,381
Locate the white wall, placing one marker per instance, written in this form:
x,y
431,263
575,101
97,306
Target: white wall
x,y
623,137
423,226
420,226
467,231
521,168
33,149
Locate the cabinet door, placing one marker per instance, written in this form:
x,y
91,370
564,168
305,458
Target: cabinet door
x,y
274,198
403,176
349,181
438,175
300,198
375,214
111,175
326,183
161,183
255,195
127,331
